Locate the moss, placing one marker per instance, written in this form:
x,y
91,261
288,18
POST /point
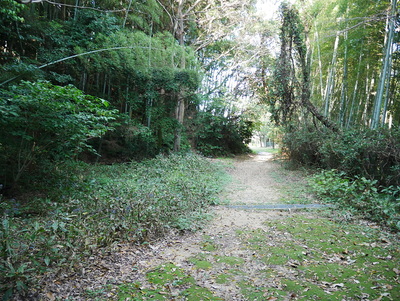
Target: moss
x,y
251,292
200,262
132,291
304,258
323,258
230,260
208,244
196,293
223,278
169,274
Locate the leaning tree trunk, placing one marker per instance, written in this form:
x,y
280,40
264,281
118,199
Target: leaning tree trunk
x,y
292,41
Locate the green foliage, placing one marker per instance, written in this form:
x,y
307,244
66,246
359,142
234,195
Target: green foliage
x,y
365,196
93,207
10,11
366,164
373,154
46,123
221,136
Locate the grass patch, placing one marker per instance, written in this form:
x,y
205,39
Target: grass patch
x,y
270,150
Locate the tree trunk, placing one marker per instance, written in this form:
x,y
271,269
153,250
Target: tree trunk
x,y
330,80
343,93
355,91
385,71
319,64
180,106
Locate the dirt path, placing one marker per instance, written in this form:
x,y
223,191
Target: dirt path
x,y
252,183
216,253
247,254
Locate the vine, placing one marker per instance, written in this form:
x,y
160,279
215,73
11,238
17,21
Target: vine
x,y
291,83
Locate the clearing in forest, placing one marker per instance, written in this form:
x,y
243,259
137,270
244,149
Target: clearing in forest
x,y
251,254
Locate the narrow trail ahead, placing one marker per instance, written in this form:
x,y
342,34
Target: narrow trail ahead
x,y
247,254
217,253
254,181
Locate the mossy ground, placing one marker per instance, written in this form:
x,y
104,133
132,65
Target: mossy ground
x,y
303,257
166,282
318,259
276,255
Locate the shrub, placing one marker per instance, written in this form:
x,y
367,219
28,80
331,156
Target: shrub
x,y
373,154
376,203
46,123
221,136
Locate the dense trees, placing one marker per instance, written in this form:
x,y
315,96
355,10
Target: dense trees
x,y
347,48
182,73
122,80
350,42
148,59
44,124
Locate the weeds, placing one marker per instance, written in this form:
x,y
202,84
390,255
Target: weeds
x,y
99,206
360,195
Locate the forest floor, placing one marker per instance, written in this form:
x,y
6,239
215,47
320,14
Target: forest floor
x,y
251,254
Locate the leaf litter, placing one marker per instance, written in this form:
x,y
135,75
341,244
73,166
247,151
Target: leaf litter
x,y
245,254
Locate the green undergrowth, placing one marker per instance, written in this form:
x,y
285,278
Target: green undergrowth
x,y
360,196
95,206
316,259
166,282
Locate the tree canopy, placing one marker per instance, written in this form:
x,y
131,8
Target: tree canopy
x,y
194,74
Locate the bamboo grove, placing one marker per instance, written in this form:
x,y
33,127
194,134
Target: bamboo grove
x,y
198,74
335,87
355,61
352,58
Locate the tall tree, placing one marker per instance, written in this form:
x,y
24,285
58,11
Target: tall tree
x,y
360,28
386,71
292,91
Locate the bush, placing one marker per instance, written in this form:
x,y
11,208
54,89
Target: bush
x,y
45,123
379,204
373,154
220,136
